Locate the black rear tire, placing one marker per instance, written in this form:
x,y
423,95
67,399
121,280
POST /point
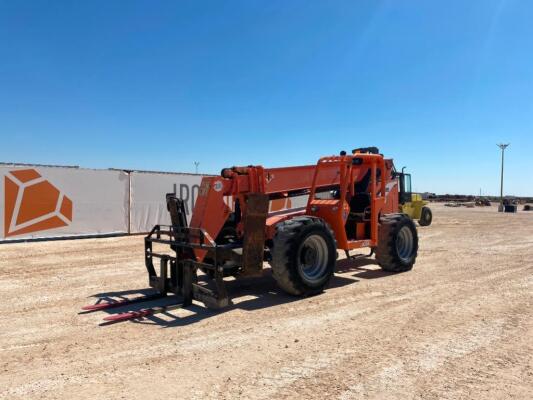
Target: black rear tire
x,y
304,254
398,243
426,216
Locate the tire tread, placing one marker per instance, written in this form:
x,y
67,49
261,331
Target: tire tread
x,y
284,243
386,254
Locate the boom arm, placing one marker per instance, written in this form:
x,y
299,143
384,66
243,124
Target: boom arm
x,y
219,195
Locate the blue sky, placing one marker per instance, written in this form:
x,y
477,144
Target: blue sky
x,y
160,84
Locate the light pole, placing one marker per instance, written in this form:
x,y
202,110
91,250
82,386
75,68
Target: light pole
x,y
503,147
196,163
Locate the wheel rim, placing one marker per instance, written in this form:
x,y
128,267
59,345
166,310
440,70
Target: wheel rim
x,y
313,258
404,244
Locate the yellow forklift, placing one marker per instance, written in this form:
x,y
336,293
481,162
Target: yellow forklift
x,y
411,203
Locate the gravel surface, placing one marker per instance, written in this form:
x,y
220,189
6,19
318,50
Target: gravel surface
x,y
458,326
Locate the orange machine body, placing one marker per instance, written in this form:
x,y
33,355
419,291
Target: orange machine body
x,y
331,187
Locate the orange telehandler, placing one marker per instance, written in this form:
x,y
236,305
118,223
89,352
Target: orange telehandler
x,y
352,202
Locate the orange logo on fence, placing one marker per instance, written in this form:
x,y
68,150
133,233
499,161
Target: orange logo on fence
x,y
33,204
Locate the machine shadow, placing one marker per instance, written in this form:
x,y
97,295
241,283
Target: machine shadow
x,y
119,295
361,266
247,294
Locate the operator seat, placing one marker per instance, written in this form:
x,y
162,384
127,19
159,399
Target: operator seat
x,y
361,199
360,202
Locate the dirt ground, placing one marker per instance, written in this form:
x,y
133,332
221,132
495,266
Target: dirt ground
x,y
459,325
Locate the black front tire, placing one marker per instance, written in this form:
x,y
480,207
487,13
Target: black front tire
x,y
304,254
426,216
397,244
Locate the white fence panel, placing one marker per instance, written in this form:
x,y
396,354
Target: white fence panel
x,y
148,203
43,202
47,202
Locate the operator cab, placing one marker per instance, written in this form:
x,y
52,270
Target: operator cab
x,y
357,224
405,191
